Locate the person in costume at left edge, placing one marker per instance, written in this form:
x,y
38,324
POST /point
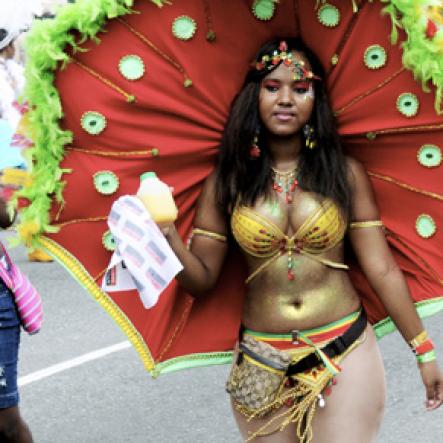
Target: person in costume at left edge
x,y
307,368
13,429
14,20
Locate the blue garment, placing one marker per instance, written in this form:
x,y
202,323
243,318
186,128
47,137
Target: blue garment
x,y
10,156
9,345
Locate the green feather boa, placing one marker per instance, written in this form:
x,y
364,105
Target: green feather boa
x,y
46,48
421,54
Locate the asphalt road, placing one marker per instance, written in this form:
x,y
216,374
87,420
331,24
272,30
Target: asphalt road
x,y
112,399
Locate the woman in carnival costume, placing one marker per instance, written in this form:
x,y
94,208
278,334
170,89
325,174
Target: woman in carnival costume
x,y
285,191
147,82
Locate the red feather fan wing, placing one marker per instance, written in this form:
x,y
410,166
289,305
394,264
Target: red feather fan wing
x,y
156,123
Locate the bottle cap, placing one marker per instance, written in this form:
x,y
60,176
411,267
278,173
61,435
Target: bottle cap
x,y
150,174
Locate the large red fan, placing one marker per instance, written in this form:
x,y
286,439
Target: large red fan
x,y
129,102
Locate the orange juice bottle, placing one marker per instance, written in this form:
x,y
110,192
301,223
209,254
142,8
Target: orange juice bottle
x,y
157,198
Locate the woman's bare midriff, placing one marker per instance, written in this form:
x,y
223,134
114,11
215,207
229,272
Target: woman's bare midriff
x,y
318,295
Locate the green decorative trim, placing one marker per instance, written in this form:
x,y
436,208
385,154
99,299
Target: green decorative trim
x,y
47,46
131,67
408,104
424,308
426,358
264,9
93,122
108,241
329,15
425,226
375,57
106,182
422,54
429,156
184,27
333,325
193,361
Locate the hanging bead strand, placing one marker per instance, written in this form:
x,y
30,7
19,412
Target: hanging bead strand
x,y
290,264
285,182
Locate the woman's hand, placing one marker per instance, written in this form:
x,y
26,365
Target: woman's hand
x,y
166,228
432,378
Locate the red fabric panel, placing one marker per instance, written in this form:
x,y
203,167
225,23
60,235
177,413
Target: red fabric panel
x,y
186,124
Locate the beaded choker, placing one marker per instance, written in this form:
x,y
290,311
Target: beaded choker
x,y
285,182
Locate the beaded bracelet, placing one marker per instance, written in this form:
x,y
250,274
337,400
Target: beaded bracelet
x,y
419,339
426,357
424,348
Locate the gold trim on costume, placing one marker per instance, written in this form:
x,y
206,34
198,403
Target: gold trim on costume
x,y
303,397
153,152
370,91
209,234
260,237
388,179
129,97
85,279
366,224
80,220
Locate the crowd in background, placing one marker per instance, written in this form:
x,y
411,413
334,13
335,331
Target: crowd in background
x,y
15,22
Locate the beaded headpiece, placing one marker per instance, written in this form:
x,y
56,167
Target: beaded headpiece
x,y
282,55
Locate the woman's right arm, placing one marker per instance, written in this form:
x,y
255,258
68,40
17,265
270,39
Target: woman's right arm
x,y
202,262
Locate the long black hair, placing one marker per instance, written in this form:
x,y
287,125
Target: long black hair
x,y
242,179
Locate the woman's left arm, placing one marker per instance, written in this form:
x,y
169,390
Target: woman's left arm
x,y
385,277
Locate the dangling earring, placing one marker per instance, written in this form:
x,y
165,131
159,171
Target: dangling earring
x,y
255,151
309,133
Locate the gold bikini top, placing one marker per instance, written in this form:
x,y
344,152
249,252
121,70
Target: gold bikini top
x,y
260,237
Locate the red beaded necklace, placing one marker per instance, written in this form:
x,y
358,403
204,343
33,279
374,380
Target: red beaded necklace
x,y
285,182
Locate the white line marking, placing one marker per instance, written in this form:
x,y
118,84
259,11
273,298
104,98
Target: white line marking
x,y
68,364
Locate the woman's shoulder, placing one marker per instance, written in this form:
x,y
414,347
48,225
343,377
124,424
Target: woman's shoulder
x,y
210,183
357,172
359,180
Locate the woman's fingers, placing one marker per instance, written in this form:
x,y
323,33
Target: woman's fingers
x,y
434,394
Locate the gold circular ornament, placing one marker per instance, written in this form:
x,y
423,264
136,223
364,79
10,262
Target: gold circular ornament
x,y
263,9
408,104
375,57
334,60
371,135
425,226
184,27
329,15
429,156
